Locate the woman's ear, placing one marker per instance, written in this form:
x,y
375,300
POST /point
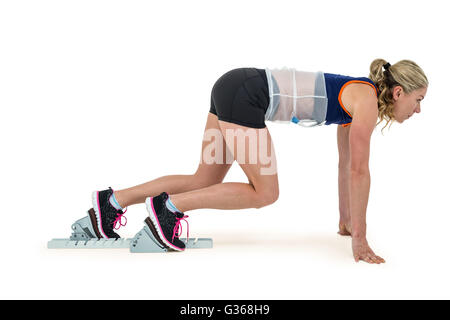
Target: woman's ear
x,y
396,92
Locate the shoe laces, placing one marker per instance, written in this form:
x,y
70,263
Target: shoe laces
x,y
118,220
178,229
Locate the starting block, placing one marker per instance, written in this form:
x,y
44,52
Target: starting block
x,y
84,237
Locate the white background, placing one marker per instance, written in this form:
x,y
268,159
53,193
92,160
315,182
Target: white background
x,y
116,93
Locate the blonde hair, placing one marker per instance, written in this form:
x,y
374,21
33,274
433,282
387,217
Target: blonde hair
x,y
405,73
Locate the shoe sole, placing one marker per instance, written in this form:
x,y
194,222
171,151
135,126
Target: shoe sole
x,y
154,220
93,218
96,207
152,228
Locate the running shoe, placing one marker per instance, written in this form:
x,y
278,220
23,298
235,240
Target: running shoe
x,y
108,218
166,224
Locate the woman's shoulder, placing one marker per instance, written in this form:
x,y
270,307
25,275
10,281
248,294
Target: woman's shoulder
x,y
359,94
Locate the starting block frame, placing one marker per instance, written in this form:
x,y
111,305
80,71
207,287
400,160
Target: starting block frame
x,y
83,237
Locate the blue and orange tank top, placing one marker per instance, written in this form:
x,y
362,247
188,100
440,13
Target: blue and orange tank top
x,y
335,84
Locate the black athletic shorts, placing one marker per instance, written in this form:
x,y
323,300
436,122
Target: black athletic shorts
x,y
241,96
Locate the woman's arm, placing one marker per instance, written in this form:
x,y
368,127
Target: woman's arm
x,y
344,180
359,178
363,123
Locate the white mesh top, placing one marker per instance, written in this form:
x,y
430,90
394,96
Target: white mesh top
x,y
296,96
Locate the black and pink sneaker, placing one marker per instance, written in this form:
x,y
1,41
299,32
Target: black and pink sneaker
x,y
108,217
166,223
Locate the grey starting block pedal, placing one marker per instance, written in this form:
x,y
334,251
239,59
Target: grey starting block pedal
x,y
84,237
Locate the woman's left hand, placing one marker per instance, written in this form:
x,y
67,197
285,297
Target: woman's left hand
x,y
362,251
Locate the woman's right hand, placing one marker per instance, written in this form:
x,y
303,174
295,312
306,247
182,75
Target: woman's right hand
x,y
345,228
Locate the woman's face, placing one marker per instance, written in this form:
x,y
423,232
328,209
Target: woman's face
x,y
405,105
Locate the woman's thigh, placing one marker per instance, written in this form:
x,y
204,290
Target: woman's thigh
x,y
253,150
213,165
